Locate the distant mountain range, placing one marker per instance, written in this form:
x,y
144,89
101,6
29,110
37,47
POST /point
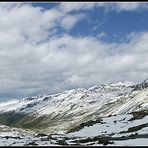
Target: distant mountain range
x,y
82,113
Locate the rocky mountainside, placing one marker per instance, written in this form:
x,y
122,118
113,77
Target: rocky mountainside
x,y
81,113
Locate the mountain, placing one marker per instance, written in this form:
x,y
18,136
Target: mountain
x,y
70,112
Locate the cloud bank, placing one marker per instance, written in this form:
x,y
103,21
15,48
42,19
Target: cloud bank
x,y
35,59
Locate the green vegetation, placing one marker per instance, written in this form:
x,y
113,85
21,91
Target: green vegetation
x,y
11,118
30,122
88,123
104,141
8,137
61,142
139,115
109,140
99,139
22,120
136,128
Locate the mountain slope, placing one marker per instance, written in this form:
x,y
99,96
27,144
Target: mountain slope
x,y
61,112
124,130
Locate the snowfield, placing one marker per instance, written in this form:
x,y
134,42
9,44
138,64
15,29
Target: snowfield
x,y
108,114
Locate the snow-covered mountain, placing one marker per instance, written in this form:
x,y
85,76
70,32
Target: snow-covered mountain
x,y
63,112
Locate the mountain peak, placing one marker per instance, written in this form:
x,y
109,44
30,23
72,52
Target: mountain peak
x,y
122,83
145,81
141,86
110,86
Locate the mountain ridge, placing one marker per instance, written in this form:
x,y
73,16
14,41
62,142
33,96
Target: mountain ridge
x,y
64,110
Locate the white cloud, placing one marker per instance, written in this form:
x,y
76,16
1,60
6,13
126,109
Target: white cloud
x,y
29,66
28,21
101,35
32,23
108,6
76,6
70,20
130,6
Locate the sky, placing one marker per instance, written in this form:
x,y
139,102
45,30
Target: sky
x,y
46,48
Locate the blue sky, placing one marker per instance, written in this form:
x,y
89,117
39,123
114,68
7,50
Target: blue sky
x,y
51,47
116,25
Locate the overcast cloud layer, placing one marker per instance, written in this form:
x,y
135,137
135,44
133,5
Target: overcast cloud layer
x,y
35,59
